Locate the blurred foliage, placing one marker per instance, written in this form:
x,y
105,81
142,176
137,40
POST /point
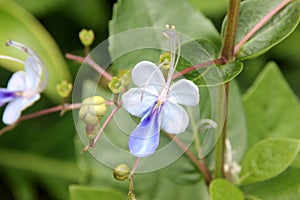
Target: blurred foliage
x,y
40,161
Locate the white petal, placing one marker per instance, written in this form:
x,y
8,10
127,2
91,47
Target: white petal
x,y
17,82
13,110
147,74
174,118
137,101
33,73
184,92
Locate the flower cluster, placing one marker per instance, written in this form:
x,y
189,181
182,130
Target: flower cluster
x,y
158,102
24,87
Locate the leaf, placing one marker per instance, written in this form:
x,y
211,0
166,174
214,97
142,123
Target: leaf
x,y
41,7
17,24
78,192
274,31
151,185
216,8
39,164
182,172
272,109
284,186
150,17
268,158
201,51
221,189
236,122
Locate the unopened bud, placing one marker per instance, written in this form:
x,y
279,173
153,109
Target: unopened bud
x,y
86,37
165,58
92,110
116,85
64,89
121,172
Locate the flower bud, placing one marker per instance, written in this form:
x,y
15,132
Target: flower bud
x,y
64,89
92,110
121,172
166,59
116,85
86,37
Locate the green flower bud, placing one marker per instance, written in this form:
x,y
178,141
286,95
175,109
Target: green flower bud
x,y
116,85
92,110
86,37
166,59
64,89
121,172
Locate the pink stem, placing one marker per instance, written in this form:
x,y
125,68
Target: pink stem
x,y
260,24
104,125
204,64
135,166
50,110
91,62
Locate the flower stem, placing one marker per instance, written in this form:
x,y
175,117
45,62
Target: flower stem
x,y
220,145
92,63
200,164
104,125
262,22
227,53
39,113
201,65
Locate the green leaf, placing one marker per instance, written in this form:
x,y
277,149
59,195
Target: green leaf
x,y
221,189
274,31
142,13
284,186
39,164
216,8
152,185
78,192
17,24
236,122
201,51
272,109
217,75
182,171
268,158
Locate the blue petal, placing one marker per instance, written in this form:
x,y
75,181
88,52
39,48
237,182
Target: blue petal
x,y
184,92
6,96
13,110
138,101
174,119
147,73
144,139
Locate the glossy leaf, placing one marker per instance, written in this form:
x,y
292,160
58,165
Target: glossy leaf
x,y
236,122
272,109
146,44
221,189
284,186
78,192
268,158
202,51
19,25
274,31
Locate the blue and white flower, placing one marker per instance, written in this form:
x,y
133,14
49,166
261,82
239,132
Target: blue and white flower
x,y
24,87
158,103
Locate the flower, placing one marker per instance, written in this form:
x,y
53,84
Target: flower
x,y
158,105
157,101
24,87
